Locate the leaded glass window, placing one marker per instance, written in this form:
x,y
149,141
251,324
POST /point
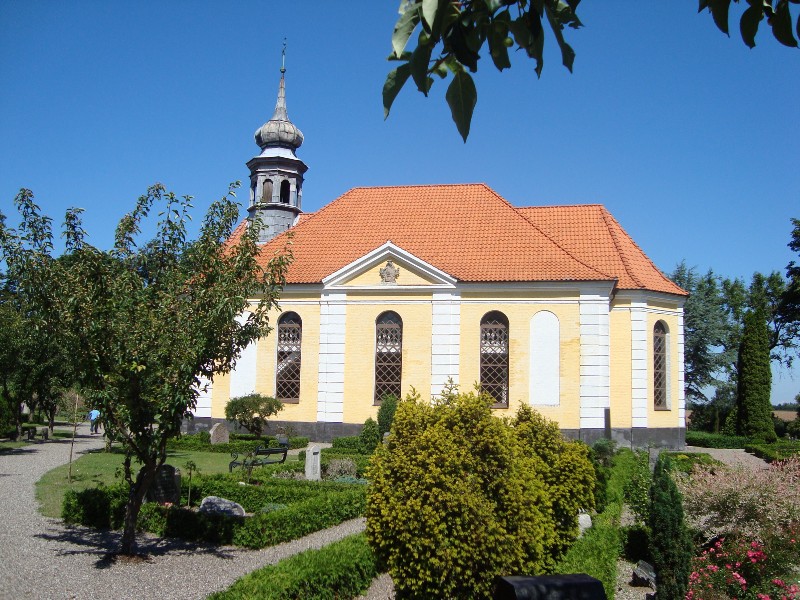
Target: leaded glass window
x,y
388,355
660,367
287,373
494,357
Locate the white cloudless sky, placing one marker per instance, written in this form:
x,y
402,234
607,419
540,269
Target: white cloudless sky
x,y
687,136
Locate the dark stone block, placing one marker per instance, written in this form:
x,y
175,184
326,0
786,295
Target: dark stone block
x,y
644,575
549,587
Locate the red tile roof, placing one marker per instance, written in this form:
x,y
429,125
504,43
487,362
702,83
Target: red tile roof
x,y
471,233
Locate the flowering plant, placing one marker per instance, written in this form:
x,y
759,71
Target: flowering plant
x,y
742,570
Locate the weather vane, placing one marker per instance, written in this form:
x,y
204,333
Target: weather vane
x,y
283,57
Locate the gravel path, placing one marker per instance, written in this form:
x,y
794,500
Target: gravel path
x,y
43,558
731,456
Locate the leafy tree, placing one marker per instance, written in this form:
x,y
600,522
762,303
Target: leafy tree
x,y
143,323
252,411
790,303
452,36
705,327
754,381
34,364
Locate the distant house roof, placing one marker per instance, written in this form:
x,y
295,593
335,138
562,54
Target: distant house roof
x,y
471,233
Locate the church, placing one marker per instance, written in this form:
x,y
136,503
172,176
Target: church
x,y
402,288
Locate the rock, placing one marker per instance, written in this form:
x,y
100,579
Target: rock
x,y
217,505
584,522
644,575
220,434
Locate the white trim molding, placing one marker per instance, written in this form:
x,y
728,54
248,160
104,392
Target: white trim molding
x,y
639,364
243,374
330,391
445,340
595,377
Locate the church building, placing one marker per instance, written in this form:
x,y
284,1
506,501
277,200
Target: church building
x,y
412,287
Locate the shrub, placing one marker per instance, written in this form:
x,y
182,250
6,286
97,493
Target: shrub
x,y
753,503
459,496
239,443
715,440
670,543
637,488
781,450
339,467
352,442
386,414
101,507
252,411
754,380
343,569
369,437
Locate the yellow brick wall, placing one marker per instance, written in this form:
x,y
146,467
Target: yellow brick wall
x,y
359,375
567,414
621,371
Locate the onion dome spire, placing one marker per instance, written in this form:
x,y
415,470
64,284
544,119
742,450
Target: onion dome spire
x,y
279,131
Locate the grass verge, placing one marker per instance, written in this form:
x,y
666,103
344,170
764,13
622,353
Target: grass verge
x,y
95,468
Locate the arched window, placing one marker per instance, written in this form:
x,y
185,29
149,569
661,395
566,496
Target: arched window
x,y
388,355
287,373
660,367
494,357
285,191
266,191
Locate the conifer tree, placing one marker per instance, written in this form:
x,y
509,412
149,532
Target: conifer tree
x,y
753,409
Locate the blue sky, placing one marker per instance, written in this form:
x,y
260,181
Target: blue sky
x,y
685,135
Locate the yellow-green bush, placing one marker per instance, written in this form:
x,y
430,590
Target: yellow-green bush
x,y
459,496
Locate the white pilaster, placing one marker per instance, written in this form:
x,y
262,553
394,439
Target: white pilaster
x,y
445,339
545,360
243,375
681,372
595,388
330,395
639,364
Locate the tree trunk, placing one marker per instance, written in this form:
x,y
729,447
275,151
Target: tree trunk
x,y
135,498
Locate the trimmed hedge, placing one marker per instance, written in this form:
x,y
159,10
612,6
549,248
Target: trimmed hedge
x,y
328,454
350,442
780,450
343,569
262,529
253,497
715,440
310,506
201,442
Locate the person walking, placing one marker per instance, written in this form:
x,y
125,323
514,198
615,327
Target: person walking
x,y
94,418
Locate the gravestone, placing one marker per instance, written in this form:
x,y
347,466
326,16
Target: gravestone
x,y
644,575
283,440
220,434
166,487
584,522
221,506
313,456
549,587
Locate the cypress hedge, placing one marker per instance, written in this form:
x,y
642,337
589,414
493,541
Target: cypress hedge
x,y
754,380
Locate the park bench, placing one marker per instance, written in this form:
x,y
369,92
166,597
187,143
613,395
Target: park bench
x,y
259,457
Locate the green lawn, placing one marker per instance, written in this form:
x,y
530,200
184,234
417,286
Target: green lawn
x,y
98,467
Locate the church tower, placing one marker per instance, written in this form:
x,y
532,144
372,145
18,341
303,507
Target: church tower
x,y
276,175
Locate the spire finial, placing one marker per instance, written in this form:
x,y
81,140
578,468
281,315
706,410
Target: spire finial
x,y
283,57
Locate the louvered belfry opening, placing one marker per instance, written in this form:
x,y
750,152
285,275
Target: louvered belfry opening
x,y
494,357
388,355
287,374
660,367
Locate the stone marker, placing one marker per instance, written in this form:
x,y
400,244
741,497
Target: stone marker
x,y
221,506
45,433
644,575
166,486
313,455
220,434
549,587
584,522
283,440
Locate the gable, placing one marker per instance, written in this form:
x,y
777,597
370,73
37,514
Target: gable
x,y
366,272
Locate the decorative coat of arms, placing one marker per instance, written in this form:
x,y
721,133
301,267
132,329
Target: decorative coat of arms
x,y
389,273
